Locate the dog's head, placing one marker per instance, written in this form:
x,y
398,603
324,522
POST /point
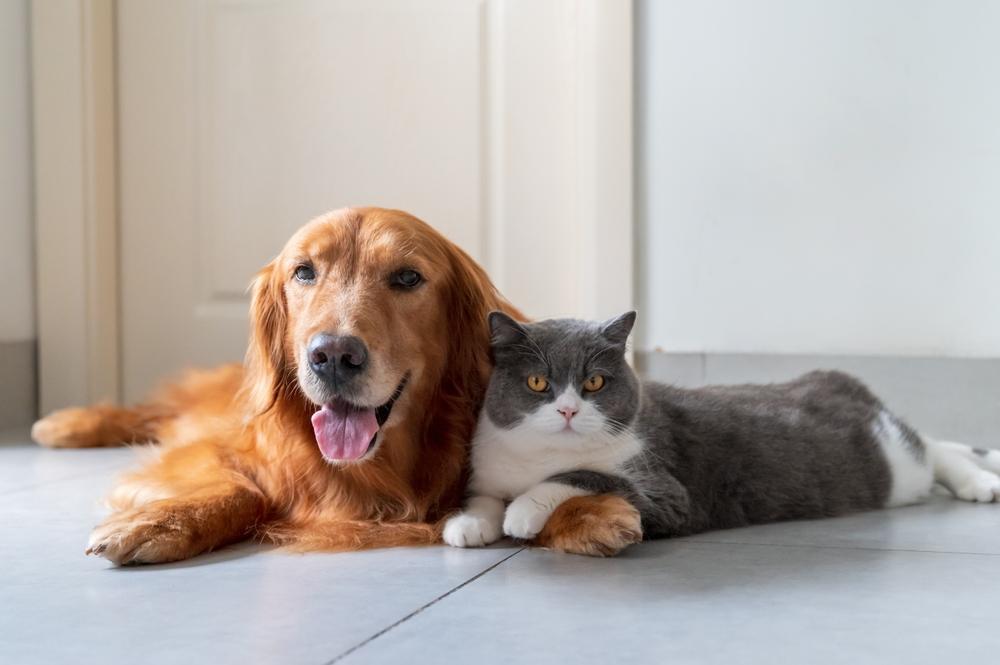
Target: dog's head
x,y
367,315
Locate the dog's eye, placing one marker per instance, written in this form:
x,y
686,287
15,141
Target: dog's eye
x,y
305,274
406,279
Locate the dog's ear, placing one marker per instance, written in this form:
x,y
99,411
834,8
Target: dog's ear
x,y
265,359
475,309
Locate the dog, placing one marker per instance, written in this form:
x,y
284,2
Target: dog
x,y
348,425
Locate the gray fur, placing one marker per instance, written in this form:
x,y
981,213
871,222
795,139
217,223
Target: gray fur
x,y
564,350
912,439
712,458
981,452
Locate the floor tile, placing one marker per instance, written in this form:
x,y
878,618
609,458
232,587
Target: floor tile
x,y
689,602
238,605
241,604
24,464
851,589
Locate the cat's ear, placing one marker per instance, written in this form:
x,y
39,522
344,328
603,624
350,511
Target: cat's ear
x,y
617,330
504,330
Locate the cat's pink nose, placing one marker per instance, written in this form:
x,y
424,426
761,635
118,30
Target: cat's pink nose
x,y
567,411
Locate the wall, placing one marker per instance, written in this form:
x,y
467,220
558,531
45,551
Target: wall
x,y
17,316
819,177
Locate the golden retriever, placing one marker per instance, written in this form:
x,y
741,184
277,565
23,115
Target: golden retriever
x,y
348,426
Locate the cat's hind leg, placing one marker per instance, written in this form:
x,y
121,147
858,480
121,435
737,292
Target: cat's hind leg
x,y
478,525
984,458
911,469
916,463
971,474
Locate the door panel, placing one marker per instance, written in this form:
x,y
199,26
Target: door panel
x,y
504,123
241,119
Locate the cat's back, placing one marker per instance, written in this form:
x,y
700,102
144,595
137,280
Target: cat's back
x,y
819,396
820,410
747,452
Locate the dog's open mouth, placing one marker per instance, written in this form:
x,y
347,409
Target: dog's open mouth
x,y
346,432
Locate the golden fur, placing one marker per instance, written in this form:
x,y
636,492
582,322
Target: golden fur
x,y
601,525
238,455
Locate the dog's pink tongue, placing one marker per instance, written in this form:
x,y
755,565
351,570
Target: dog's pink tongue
x,y
343,432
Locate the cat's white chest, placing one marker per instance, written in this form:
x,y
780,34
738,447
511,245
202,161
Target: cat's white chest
x,y
508,462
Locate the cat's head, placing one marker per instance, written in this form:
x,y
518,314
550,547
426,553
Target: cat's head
x,y
562,378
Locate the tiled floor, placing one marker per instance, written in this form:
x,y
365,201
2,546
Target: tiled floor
x,y
915,585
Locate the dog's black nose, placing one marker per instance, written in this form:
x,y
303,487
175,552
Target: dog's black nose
x,y
330,355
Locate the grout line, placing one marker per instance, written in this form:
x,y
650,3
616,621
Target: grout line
x,y
420,609
839,547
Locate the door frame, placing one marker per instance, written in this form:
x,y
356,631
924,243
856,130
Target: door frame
x,y
76,225
585,48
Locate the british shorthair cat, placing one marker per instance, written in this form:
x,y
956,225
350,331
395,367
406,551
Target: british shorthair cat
x,y
565,416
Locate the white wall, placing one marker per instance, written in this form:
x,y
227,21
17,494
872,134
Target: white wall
x,y
819,176
17,316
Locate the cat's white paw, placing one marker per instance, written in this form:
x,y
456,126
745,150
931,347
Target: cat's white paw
x,y
982,486
525,517
465,530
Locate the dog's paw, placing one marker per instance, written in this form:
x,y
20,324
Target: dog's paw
x,y
525,517
142,535
466,530
601,525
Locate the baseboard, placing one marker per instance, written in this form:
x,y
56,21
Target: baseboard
x,y
18,383
949,398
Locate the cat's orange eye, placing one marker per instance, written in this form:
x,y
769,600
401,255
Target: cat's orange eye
x,y
538,383
594,383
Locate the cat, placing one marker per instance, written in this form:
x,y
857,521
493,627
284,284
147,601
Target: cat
x,y
565,415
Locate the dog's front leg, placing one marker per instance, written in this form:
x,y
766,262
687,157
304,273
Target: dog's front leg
x,y
185,503
177,528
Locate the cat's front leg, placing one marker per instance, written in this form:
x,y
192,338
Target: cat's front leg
x,y
477,525
528,513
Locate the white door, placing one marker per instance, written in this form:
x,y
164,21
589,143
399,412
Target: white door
x,y
239,120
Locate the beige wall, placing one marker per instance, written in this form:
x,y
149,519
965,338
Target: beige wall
x,y
17,319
